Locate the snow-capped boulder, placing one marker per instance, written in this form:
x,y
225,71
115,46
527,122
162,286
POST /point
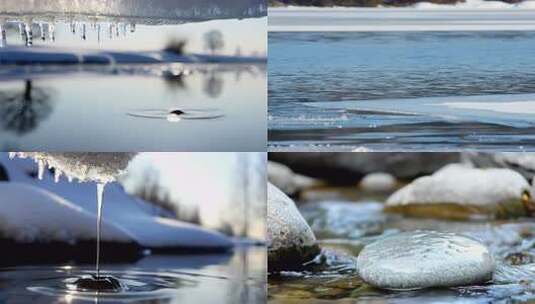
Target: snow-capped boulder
x,y
423,259
290,240
288,181
461,192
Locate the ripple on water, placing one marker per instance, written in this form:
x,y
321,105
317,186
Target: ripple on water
x,y
177,115
132,286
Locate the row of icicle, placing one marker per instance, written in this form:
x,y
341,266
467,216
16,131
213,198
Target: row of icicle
x,y
47,30
41,166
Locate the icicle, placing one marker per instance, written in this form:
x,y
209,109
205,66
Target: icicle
x,y
98,33
42,31
57,175
73,28
3,40
100,193
84,32
40,169
110,31
12,155
21,31
69,178
52,32
132,27
29,34
117,30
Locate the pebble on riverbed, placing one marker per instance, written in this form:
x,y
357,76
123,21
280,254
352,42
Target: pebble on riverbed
x,y
290,241
288,181
423,259
461,192
378,182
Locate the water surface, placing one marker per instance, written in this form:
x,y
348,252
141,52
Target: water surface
x,y
344,90
238,277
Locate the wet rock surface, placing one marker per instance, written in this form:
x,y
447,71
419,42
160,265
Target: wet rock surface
x,y
290,241
422,259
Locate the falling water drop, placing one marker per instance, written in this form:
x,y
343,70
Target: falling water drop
x,y
40,169
100,192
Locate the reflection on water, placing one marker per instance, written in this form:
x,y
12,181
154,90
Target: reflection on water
x,y
191,102
371,67
23,110
235,278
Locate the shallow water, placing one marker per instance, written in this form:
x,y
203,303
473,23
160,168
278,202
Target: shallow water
x,y
234,278
385,78
63,109
344,224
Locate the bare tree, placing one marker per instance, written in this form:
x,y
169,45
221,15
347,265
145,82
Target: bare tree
x,y
213,41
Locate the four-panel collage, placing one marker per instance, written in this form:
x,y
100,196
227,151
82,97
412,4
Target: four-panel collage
x,y
267,151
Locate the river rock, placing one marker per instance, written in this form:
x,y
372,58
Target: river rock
x,y
423,259
349,168
461,192
288,181
523,163
378,182
290,240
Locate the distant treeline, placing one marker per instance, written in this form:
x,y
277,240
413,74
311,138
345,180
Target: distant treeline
x,y
361,3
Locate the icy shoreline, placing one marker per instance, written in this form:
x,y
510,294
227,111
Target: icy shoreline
x,y
418,18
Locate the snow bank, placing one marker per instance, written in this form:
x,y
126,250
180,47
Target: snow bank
x,y
30,214
142,221
501,192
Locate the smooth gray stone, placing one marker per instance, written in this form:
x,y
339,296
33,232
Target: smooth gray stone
x,y
290,240
423,259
